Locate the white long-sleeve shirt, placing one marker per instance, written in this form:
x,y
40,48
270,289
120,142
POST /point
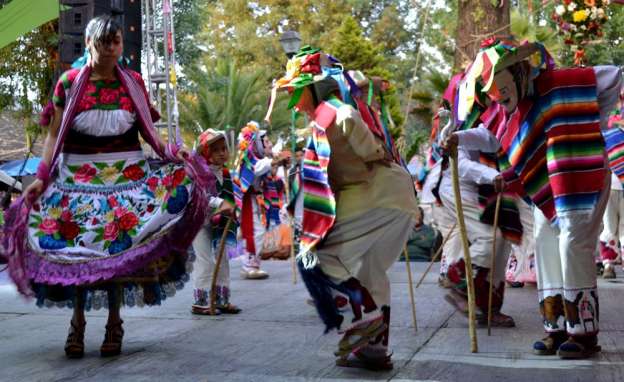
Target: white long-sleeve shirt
x,y
262,167
426,195
472,173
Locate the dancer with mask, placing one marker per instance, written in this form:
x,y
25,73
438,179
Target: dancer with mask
x,y
553,153
359,207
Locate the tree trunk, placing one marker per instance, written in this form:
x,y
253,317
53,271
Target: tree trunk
x,y
477,20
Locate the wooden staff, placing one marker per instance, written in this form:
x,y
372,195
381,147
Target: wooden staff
x,y
472,330
293,261
411,290
435,257
215,273
493,262
292,230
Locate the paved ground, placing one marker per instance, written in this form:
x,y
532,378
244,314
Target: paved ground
x,y
279,338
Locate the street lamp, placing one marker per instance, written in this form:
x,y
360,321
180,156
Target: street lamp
x,y
291,42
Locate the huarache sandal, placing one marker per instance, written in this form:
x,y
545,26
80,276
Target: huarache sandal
x,y
204,310
578,349
361,361
112,340
499,320
549,344
74,346
229,308
362,336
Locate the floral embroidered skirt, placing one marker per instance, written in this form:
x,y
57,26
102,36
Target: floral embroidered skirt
x,y
108,219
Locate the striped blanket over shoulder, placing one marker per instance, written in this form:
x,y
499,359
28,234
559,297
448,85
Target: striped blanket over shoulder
x,y
554,146
319,204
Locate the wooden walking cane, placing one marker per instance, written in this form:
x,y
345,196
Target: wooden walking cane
x,y
493,262
472,330
411,289
215,273
435,257
292,235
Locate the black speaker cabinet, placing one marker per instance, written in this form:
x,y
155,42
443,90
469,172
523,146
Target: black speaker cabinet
x,y
76,15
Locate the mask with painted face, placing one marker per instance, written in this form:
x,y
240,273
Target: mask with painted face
x,y
504,90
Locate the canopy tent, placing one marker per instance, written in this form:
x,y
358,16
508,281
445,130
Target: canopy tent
x,y
13,167
19,17
8,180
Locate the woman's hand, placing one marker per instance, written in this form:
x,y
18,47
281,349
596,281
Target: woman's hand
x,y
225,209
183,154
33,191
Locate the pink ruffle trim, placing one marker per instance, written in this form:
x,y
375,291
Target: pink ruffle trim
x,y
26,266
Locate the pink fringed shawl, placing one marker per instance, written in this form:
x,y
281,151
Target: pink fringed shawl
x,y
15,229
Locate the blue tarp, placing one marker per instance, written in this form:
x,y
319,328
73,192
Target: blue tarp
x,y
13,167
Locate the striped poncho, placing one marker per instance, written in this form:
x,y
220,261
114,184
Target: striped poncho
x,y
553,144
319,204
614,142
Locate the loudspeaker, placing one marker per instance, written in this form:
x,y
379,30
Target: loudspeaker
x,y
75,16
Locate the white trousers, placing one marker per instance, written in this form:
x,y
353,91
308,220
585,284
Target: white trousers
x,y
612,235
566,272
204,266
523,254
251,260
364,247
480,236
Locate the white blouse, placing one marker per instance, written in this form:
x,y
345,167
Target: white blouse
x,y
103,123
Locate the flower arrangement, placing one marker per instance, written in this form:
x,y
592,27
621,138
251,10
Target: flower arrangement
x,y
580,21
246,135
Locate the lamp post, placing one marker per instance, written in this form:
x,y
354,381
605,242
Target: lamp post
x,y
291,42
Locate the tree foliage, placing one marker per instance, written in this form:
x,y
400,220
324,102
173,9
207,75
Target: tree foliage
x,y
227,96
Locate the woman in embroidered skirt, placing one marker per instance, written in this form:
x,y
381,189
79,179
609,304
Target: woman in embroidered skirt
x,y
99,228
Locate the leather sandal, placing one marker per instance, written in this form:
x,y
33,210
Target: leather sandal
x,y
112,340
204,310
577,348
549,344
499,320
229,308
359,360
363,334
74,346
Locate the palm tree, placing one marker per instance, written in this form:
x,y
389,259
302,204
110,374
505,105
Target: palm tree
x,y
524,27
425,102
224,96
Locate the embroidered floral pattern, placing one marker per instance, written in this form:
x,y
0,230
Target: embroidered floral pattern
x,y
109,222
102,173
101,94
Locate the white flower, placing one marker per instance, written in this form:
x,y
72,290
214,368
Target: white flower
x,y
560,9
573,27
600,13
542,23
606,2
571,7
594,12
583,27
